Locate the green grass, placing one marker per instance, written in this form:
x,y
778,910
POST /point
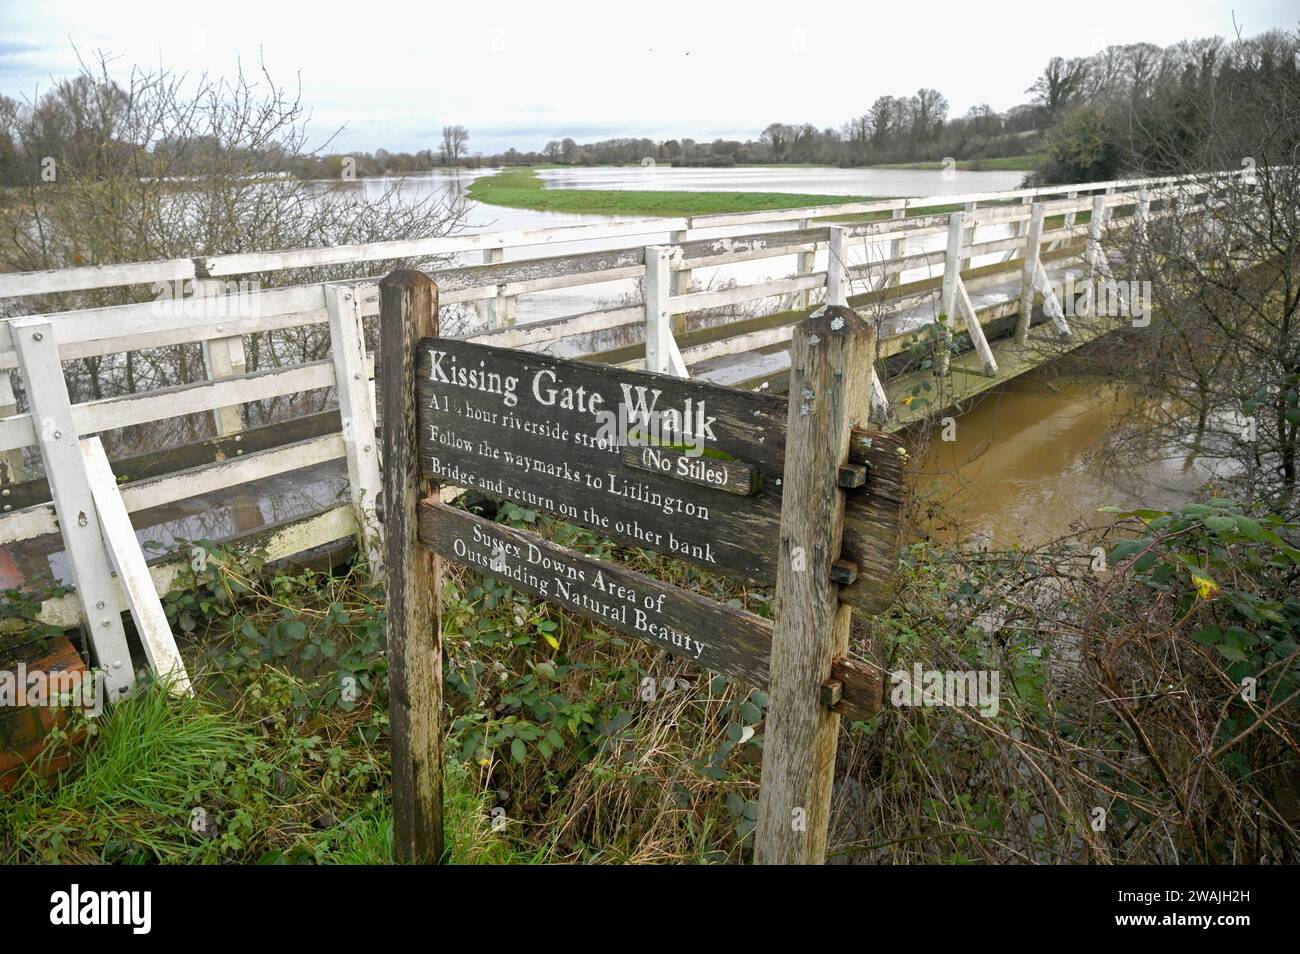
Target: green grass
x,y
521,189
1026,163
154,760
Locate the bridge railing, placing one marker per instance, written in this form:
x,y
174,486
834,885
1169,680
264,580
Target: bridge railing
x,y
903,273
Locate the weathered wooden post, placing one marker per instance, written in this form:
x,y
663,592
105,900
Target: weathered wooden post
x,y
408,308
831,356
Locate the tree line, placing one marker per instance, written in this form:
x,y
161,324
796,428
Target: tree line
x,y
1130,107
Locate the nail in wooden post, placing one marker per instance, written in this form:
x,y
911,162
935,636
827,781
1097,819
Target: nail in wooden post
x,y
830,372
408,308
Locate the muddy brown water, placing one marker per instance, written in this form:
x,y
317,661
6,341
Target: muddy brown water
x,y
1025,466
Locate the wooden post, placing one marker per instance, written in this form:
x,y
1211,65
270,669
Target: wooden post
x,y
132,572
501,311
1033,239
837,283
352,383
1018,228
968,239
83,540
657,293
897,250
1092,253
661,352
831,356
807,264
408,308
948,297
11,461
1070,216
683,281
222,357
486,308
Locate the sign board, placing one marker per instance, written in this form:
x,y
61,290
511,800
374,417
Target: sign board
x,y
709,634
701,480
737,482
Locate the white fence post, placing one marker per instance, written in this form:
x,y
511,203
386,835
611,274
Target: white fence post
x,y
661,353
11,461
348,346
1069,216
133,572
1029,281
968,240
807,265
837,284
222,357
897,250
948,296
683,281
1018,228
56,435
500,311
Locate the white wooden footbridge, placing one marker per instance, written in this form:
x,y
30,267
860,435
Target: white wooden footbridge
x,y
966,299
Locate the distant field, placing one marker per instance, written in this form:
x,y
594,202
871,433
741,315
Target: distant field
x,y
1025,163
521,189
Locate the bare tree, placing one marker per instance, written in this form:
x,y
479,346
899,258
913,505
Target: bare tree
x,y
1060,84
454,141
162,166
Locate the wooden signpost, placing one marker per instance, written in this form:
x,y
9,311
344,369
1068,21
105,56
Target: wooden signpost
x,y
791,493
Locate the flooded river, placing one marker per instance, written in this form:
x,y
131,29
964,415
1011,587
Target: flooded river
x,y
1023,467
451,187
1026,464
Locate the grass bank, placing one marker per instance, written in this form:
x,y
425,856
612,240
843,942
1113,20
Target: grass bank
x,y
1029,162
522,189
569,743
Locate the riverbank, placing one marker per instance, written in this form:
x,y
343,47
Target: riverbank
x,y
1030,162
522,189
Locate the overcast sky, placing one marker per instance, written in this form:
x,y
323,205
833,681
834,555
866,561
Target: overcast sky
x,y
521,73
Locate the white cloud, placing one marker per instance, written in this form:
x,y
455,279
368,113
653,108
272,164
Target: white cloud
x,y
521,73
